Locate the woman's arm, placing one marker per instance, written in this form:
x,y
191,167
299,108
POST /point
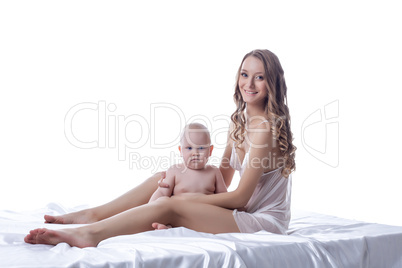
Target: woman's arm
x,y
225,168
220,186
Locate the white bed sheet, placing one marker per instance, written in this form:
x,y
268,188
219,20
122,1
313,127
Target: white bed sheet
x,y
314,240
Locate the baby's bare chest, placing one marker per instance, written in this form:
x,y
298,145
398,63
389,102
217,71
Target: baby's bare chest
x,y
191,181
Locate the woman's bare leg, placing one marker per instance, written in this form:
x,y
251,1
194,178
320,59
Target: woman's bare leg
x,y
196,216
138,196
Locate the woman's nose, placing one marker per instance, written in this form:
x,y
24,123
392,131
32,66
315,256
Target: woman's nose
x,y
250,83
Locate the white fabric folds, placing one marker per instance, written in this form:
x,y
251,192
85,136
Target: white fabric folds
x,y
313,240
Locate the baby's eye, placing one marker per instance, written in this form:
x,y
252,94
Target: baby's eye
x,y
201,148
189,148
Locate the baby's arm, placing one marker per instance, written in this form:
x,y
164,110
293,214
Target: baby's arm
x,y
220,186
170,180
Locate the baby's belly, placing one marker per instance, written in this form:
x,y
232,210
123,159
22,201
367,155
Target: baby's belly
x,y
191,191
186,194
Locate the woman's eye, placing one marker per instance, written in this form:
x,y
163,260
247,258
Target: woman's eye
x,y
243,74
260,77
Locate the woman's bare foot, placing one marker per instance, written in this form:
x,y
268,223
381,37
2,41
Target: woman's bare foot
x,y
79,217
160,226
73,237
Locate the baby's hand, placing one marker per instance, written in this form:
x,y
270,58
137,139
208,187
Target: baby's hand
x,y
160,182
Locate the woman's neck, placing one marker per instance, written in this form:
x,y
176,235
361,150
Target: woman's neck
x,y
253,112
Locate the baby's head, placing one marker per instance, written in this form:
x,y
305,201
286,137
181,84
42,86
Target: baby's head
x,y
195,146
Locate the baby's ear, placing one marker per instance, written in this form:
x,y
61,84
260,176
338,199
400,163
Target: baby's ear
x,y
210,149
180,149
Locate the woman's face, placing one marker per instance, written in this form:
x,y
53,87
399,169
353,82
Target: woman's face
x,y
252,81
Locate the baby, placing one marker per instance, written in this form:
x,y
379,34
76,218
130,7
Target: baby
x,y
194,175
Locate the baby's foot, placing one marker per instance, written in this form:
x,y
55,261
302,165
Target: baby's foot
x,y
73,237
160,226
80,217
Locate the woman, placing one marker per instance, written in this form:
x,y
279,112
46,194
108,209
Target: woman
x,y
259,146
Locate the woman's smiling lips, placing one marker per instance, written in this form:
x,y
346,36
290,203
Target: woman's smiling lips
x,y
248,92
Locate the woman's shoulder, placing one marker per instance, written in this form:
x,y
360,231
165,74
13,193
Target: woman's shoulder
x,y
260,131
230,140
231,127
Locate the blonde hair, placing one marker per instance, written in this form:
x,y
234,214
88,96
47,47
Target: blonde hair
x,y
276,108
195,128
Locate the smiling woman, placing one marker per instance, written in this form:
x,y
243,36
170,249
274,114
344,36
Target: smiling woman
x,y
261,84
252,81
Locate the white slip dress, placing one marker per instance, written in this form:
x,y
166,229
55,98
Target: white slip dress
x,y
269,206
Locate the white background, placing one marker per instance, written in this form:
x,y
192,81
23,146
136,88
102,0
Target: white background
x,y
122,57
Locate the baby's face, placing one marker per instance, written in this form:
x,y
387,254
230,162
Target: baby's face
x,y
195,149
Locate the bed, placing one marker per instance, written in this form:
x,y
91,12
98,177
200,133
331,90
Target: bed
x,y
314,240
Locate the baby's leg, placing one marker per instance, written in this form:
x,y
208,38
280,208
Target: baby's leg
x,y
138,196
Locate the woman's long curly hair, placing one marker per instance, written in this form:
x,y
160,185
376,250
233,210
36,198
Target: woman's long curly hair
x,y
276,108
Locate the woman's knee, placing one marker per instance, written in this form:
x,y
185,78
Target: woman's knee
x,y
169,204
164,201
165,207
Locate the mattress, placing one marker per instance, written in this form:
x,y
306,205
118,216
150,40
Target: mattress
x,y
313,240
